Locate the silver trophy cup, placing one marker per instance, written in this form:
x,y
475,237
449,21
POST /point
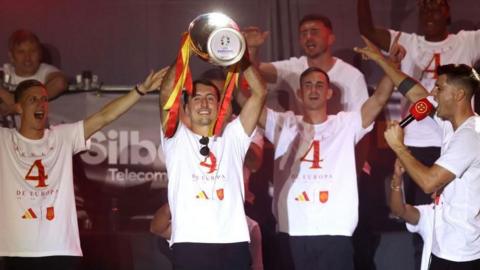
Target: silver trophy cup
x,y
217,39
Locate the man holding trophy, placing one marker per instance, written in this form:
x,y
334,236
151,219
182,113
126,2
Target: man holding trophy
x,y
204,163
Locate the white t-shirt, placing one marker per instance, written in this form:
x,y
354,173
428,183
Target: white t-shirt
x,y
206,195
425,229
421,61
315,182
38,216
43,71
343,76
457,219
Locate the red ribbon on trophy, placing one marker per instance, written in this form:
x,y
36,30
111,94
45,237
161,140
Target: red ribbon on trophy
x,y
215,38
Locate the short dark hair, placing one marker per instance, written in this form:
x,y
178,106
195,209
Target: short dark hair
x,y
20,36
463,75
313,69
316,17
24,86
194,90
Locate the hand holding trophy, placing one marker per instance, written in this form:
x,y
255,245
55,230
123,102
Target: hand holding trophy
x,y
215,38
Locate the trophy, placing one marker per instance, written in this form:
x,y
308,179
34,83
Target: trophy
x,y
216,38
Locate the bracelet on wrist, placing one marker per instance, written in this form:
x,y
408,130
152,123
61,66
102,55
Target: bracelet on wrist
x,y
394,187
138,91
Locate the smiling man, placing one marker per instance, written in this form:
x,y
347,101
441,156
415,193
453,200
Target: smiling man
x,y
315,196
38,228
316,39
205,177
25,53
425,51
455,175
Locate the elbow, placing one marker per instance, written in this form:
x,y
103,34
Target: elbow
x,y
427,188
397,211
154,228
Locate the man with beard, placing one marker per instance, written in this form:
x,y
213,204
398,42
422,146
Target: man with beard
x,y
316,38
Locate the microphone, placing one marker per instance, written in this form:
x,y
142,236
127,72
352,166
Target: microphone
x,y
418,111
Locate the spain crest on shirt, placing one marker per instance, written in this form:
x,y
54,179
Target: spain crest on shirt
x,y
323,196
50,213
220,194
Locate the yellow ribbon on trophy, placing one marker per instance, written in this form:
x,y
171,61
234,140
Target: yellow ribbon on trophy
x,y
183,80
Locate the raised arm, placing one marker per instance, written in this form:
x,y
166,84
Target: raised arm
x,y
253,107
255,38
166,89
122,104
56,84
379,36
397,205
242,99
7,103
374,104
416,92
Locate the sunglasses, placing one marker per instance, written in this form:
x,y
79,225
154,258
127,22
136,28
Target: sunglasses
x,y
204,151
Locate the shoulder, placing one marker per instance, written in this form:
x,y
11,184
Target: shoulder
x,y
341,67
46,68
290,61
68,127
4,131
467,33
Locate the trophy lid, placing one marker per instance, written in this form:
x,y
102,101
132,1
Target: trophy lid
x,y
216,38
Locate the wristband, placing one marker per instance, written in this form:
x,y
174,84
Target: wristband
x,y
405,86
395,188
138,91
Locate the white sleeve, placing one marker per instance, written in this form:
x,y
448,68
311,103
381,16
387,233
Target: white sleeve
x,y
460,153
423,226
358,93
73,135
275,122
237,136
472,39
353,121
283,68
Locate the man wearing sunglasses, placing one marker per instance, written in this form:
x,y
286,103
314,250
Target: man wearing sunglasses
x,y
205,189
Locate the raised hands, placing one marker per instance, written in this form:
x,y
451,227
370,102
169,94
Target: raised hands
x,y
254,36
397,52
153,81
370,51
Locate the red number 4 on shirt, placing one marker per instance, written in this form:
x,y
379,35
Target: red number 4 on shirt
x,y
315,146
40,177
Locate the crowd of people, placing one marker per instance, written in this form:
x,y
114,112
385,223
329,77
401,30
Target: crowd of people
x,y
315,200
